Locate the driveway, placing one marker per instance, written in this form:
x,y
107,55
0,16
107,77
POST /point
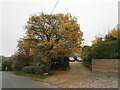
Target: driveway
x,y
10,80
81,77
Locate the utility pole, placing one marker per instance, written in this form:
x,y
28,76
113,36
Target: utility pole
x,y
55,6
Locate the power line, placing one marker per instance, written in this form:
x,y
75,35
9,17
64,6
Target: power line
x,y
55,6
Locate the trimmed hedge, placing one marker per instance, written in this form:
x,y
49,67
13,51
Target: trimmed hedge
x,y
106,50
102,50
34,70
28,69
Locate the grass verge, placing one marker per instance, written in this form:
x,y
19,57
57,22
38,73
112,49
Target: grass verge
x,y
33,76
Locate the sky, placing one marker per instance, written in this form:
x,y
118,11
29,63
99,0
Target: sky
x,y
95,17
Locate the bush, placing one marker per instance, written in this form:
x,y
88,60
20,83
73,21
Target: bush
x,y
87,56
28,69
29,75
40,69
34,70
44,68
106,50
60,64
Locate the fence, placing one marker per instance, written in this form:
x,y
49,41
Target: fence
x,y
109,66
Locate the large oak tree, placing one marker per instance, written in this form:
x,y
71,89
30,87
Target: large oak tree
x,y
53,36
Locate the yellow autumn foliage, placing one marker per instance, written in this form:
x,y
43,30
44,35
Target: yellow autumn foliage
x,y
115,33
58,35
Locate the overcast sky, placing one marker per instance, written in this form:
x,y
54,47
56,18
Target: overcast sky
x,y
94,16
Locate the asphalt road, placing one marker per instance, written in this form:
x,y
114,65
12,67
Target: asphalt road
x,y
0,80
10,80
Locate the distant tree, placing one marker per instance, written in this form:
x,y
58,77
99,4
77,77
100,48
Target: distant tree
x,y
22,57
7,65
4,65
113,35
22,48
19,61
97,40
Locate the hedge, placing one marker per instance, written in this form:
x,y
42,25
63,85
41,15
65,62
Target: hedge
x,y
106,50
34,70
28,69
102,50
87,56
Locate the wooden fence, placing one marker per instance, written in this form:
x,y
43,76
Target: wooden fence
x,y
109,66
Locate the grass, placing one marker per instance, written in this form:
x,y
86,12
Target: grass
x,y
33,76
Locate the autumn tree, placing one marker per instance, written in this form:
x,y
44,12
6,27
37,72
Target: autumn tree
x,y
58,36
97,40
22,57
113,35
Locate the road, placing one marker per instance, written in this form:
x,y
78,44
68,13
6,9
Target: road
x,y
10,80
0,80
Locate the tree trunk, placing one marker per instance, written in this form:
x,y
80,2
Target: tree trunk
x,y
48,66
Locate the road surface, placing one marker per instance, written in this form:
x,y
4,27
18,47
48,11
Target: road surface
x,y
0,80
10,80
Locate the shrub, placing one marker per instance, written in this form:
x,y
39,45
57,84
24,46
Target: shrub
x,y
87,56
60,64
44,68
40,69
106,50
28,69
34,70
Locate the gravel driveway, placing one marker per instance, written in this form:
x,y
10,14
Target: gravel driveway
x,y
81,77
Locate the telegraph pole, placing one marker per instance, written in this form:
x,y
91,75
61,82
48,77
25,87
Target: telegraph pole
x,y
55,6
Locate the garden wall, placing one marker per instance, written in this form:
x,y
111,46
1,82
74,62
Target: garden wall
x,y
108,66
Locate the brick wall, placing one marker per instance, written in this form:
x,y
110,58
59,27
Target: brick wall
x,y
109,66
